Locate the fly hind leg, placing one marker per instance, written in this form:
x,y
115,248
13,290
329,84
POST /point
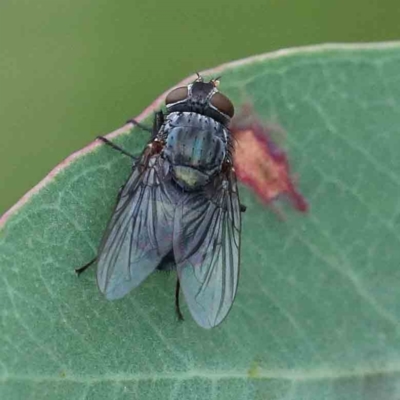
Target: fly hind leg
x,y
168,264
78,271
177,308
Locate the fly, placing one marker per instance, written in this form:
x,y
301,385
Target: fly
x,y
180,208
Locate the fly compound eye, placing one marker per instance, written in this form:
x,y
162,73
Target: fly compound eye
x,y
222,104
178,94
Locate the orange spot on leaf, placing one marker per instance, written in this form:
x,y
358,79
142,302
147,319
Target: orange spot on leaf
x,y
260,163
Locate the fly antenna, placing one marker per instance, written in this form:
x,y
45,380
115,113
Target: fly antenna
x,y
199,78
215,81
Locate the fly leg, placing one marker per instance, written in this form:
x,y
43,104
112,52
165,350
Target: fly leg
x,y
140,125
78,271
115,147
177,308
157,123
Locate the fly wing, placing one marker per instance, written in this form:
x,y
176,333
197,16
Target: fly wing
x,y
206,247
139,233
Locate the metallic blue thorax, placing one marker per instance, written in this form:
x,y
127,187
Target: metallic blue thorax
x,y
195,146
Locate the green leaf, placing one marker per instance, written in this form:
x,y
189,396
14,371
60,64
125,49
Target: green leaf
x,y
317,315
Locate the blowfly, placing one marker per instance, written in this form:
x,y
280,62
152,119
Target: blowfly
x,y
180,207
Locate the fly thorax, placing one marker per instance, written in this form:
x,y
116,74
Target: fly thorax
x,y
196,148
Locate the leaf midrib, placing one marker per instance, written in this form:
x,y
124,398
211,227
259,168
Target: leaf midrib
x,y
213,375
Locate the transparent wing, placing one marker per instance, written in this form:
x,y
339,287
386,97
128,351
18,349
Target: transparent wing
x,y
139,233
206,247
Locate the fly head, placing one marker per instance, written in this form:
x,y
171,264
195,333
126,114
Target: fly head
x,y
202,98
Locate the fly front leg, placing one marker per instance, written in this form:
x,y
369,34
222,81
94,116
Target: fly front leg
x,y
158,122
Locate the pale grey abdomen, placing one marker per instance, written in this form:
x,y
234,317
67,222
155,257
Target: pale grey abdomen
x,y
196,148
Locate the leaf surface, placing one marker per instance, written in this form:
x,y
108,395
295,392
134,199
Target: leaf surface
x,y
317,314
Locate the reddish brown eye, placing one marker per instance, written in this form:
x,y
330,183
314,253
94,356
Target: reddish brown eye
x,y
223,104
178,94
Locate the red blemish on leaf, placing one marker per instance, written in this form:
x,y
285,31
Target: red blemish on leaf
x,y
260,163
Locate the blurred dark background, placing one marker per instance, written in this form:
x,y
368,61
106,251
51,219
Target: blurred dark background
x,y
71,70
